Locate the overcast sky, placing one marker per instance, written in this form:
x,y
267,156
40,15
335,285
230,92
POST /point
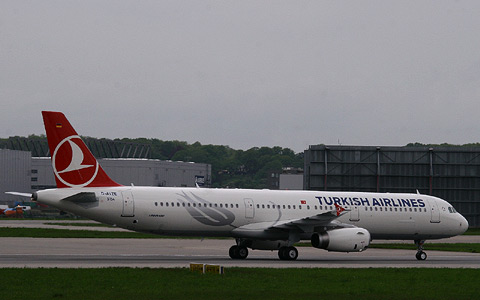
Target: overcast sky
x,y
245,73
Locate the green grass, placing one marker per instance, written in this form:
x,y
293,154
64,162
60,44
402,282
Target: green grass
x,y
240,283
472,231
459,247
65,233
79,224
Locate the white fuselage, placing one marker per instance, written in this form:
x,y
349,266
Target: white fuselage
x,y
243,213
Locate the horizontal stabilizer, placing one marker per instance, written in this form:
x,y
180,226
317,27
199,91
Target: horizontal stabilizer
x,y
29,195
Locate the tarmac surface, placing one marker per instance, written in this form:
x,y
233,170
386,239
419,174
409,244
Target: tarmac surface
x,y
171,253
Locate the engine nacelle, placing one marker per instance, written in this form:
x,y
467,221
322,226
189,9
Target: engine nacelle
x,y
342,240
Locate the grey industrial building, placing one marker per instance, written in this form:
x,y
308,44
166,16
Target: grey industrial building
x,y
23,173
450,173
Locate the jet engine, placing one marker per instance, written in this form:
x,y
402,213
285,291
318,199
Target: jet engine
x,y
342,240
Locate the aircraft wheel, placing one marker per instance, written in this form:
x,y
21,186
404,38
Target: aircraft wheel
x,y
291,253
242,252
288,253
421,255
233,252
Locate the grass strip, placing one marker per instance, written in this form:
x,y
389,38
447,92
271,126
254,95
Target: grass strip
x,y
66,233
80,224
241,283
458,247
472,231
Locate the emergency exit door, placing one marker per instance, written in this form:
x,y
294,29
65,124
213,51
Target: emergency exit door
x,y
128,204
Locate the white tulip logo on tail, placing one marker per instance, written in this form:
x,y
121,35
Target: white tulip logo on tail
x,y
71,166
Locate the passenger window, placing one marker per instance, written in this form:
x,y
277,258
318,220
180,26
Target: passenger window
x,y
166,203
308,207
288,206
156,203
293,206
268,205
237,205
263,205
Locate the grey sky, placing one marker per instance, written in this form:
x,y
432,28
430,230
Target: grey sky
x,y
245,73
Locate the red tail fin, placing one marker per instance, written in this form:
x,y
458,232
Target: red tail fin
x,y
73,164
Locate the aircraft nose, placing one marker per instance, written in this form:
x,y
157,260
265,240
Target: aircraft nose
x,y
463,224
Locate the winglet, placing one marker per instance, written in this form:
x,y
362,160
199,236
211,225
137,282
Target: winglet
x,y
73,164
339,209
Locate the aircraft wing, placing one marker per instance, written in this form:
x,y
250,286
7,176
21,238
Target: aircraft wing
x,y
327,219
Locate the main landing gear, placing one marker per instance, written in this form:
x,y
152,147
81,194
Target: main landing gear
x,y
238,252
284,253
288,253
420,254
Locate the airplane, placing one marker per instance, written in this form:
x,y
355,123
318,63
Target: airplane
x,y
256,219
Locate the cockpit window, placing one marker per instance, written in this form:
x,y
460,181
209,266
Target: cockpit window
x,y
452,210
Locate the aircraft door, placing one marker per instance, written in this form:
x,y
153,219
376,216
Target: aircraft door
x,y
354,214
249,208
128,204
435,212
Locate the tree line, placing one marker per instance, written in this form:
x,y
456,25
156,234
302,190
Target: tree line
x,y
230,167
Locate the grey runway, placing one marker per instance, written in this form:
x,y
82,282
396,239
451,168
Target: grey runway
x,y
170,253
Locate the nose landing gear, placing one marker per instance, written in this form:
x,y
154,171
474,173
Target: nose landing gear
x,y
420,254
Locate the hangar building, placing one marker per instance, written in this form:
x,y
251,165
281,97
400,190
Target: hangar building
x,y
450,173
23,173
